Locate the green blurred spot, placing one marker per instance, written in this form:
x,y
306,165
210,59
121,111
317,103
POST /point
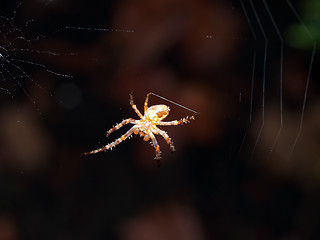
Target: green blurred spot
x,y
303,37
298,37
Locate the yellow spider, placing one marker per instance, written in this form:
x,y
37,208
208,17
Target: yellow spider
x,y
146,126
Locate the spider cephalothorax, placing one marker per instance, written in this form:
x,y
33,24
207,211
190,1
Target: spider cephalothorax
x,y
146,127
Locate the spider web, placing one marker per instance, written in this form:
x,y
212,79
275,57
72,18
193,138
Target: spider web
x,y
270,39
20,55
276,43
40,58
29,46
250,69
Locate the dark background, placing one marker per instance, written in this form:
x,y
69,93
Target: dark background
x,y
223,181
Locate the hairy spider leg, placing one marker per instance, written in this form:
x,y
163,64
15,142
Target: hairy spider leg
x,y
119,125
135,107
177,122
114,143
146,102
167,138
156,147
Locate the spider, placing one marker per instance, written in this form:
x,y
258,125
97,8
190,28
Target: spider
x,y
146,127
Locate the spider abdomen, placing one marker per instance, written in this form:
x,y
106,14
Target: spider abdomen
x,y
156,113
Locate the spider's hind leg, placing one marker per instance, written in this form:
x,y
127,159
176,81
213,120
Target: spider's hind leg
x,y
167,138
156,147
114,143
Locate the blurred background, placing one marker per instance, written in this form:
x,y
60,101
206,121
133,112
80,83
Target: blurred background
x,y
248,167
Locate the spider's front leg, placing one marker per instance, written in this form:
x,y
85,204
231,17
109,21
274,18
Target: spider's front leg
x,y
135,107
146,102
177,122
114,143
119,125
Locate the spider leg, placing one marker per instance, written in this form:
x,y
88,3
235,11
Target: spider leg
x,y
156,147
114,143
119,125
167,138
135,107
146,102
177,122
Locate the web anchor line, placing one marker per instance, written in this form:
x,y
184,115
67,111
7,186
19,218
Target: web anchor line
x,y
281,71
304,100
175,103
263,76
